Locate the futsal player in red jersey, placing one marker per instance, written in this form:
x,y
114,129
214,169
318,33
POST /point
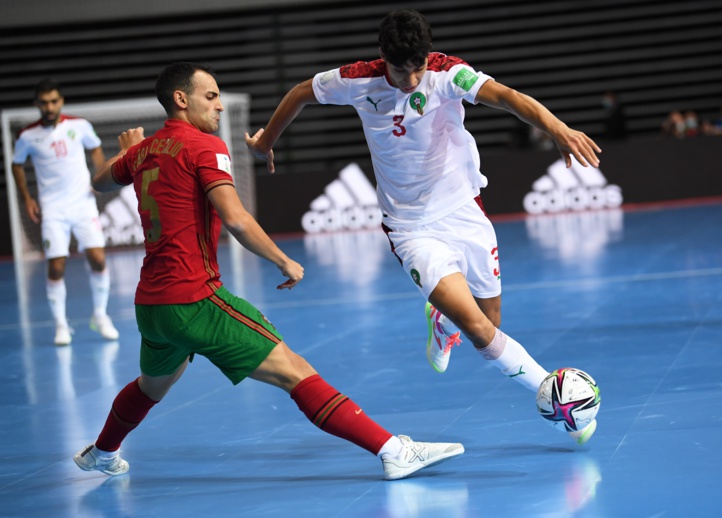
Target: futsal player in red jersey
x,y
183,181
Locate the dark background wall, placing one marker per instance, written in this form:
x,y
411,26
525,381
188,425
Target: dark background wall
x,y
657,55
34,13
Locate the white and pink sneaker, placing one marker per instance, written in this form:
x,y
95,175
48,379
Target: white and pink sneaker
x,y
440,342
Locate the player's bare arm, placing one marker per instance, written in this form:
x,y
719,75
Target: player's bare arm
x,y
568,141
103,179
97,157
262,142
249,233
31,205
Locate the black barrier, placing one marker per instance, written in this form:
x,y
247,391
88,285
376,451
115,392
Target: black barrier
x,y
643,170
633,172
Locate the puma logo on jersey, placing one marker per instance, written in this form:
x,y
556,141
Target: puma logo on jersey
x,y
374,103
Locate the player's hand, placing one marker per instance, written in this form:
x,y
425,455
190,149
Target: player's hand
x,y
130,138
259,152
293,271
571,142
33,210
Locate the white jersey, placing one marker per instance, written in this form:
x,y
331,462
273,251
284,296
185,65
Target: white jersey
x,y
426,163
58,155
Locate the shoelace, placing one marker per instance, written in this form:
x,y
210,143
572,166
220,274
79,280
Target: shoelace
x,y
452,341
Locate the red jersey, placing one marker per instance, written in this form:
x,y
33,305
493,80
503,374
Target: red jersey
x,y
172,171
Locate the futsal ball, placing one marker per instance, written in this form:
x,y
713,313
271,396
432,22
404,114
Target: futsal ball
x,y
568,399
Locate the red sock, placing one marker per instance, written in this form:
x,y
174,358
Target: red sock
x,y
336,414
129,409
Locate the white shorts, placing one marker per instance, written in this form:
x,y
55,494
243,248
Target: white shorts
x,y
81,220
464,241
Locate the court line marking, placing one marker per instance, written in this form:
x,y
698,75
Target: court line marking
x,y
568,283
129,314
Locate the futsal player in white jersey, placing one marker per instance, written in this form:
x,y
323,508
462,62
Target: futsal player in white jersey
x,y
428,180
66,203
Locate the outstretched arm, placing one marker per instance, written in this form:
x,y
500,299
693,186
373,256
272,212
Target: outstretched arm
x,y
264,139
568,141
249,233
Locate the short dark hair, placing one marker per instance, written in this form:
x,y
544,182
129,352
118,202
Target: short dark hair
x,y
45,86
177,76
405,37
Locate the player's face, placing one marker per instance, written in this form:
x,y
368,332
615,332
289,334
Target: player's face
x,y
49,104
408,77
204,104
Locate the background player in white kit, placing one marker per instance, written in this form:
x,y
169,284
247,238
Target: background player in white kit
x,y
427,171
66,203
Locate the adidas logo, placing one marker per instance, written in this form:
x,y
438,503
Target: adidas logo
x,y
574,189
347,203
120,221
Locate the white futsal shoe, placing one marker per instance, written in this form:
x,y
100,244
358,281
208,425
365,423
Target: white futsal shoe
x,y
63,334
418,455
440,341
104,326
91,458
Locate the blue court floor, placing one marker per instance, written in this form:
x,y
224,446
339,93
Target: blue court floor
x,y
634,298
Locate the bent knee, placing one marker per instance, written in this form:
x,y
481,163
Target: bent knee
x,y
96,259
283,368
495,318
300,369
479,330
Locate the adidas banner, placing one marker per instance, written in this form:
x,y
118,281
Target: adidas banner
x,y
520,181
538,182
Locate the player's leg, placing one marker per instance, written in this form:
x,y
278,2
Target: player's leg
x,y
162,364
90,238
56,268
469,238
478,279
322,404
454,299
130,407
444,334
56,243
427,256
473,300
458,261
100,290
338,415
254,348
491,307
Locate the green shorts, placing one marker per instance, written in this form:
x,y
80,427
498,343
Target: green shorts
x,y
227,330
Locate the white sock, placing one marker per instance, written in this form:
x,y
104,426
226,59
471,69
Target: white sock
x,y
100,289
508,355
391,448
105,455
57,294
